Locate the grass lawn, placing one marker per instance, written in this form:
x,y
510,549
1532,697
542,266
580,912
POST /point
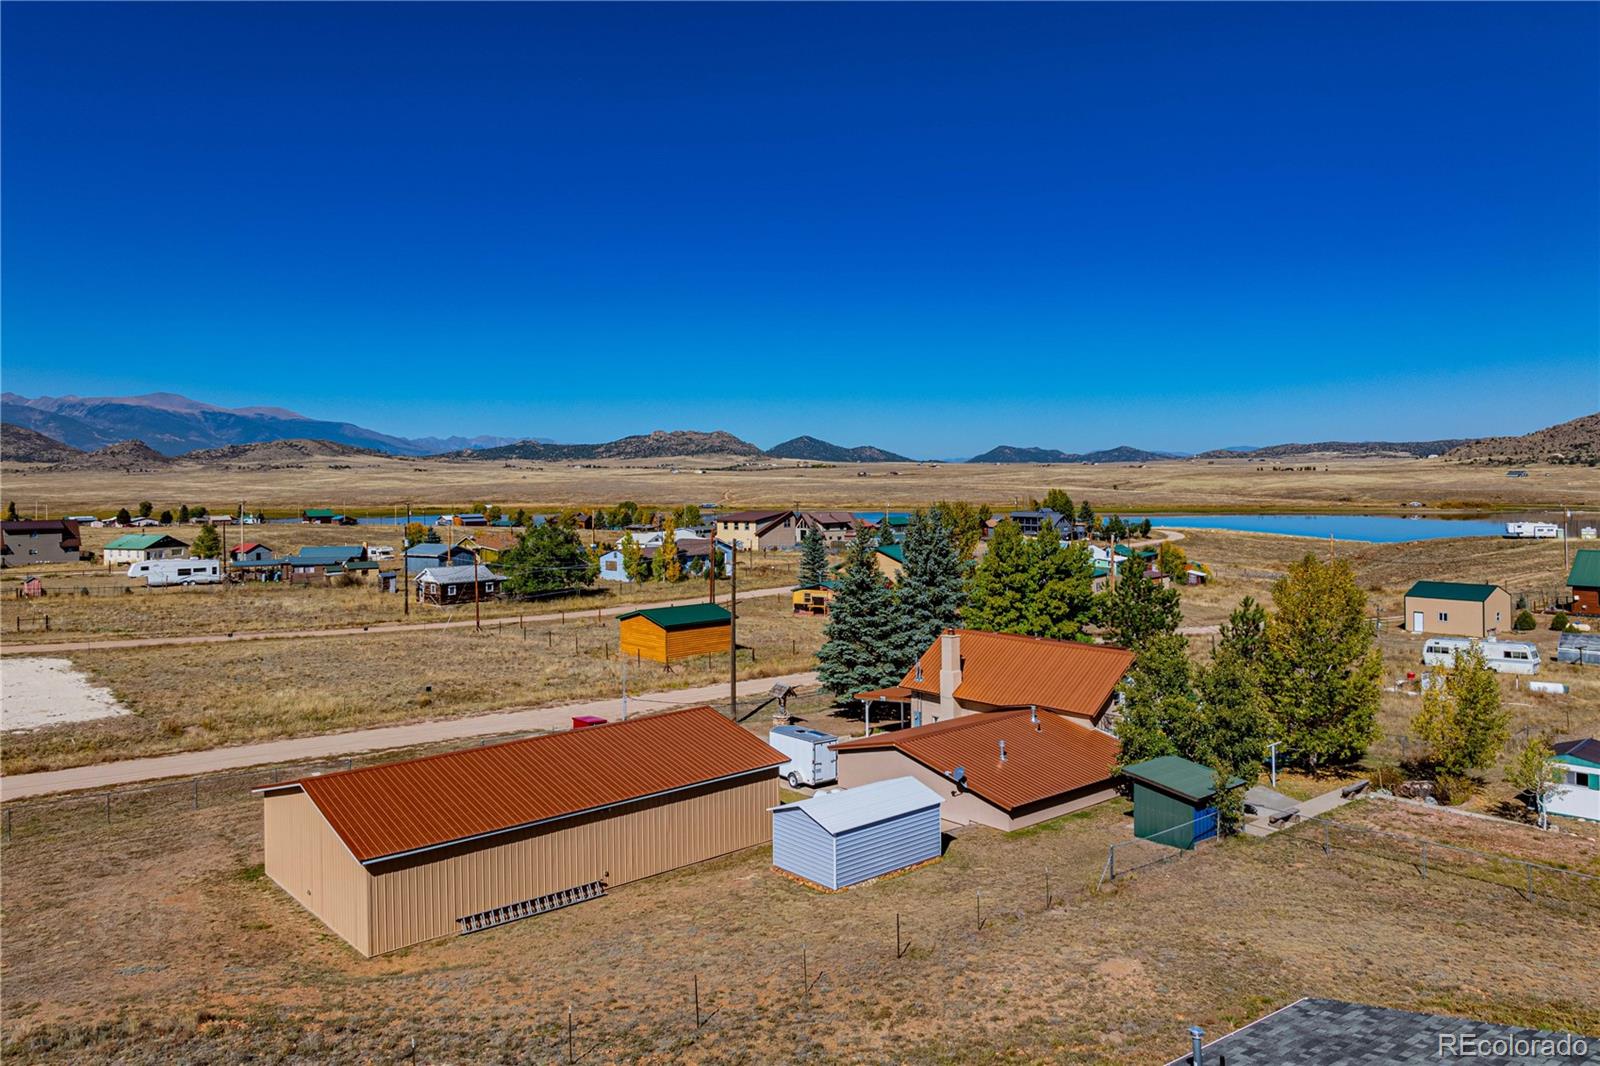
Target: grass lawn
x,y
179,949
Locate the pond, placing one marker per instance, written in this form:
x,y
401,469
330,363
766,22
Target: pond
x,y
1377,529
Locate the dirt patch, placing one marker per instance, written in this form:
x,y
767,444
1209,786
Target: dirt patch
x,y
51,692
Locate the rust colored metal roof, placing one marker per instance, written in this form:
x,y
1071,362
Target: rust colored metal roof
x,y
1007,670
895,693
1044,760
403,807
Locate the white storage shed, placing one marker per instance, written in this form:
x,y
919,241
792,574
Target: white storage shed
x,y
846,836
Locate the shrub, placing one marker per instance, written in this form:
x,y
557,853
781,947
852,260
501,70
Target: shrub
x,y
1524,622
1558,624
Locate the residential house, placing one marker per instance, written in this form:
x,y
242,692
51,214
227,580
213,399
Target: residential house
x,y
1584,581
325,516
1579,794
1006,770
29,541
1452,608
269,568
471,518
968,671
757,530
252,552
489,542
420,557
142,547
445,585
890,560
836,527
693,557
315,564
1033,523
815,599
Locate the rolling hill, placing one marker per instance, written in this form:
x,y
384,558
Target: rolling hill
x,y
1341,449
18,444
658,445
1123,453
1577,441
821,451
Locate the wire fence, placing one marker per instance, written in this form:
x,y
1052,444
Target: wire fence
x,y
1126,856
1534,881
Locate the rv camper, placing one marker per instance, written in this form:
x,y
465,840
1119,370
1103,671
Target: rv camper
x,y
1503,656
158,572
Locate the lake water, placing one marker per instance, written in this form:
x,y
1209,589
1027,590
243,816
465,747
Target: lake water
x,y
1377,529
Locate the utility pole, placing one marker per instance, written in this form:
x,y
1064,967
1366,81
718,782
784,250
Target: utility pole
x,y
624,688
733,639
477,610
405,562
1273,746
711,571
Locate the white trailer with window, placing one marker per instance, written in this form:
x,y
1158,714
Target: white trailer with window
x,y
159,572
1503,656
811,760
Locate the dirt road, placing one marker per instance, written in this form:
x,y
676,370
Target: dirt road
x,y
310,749
357,631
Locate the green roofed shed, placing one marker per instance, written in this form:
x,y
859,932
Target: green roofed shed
x,y
691,614
667,634
1451,590
1172,800
1585,571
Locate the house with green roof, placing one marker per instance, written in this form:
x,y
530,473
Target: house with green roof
x,y
133,548
1457,609
1584,581
1579,793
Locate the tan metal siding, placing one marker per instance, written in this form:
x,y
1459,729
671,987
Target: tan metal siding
x,y
421,897
307,860
1467,618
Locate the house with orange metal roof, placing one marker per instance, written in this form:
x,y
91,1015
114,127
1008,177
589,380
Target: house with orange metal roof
x,y
395,854
1006,770
970,671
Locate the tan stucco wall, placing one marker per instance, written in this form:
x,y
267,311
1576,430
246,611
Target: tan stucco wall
x,y
308,860
1467,619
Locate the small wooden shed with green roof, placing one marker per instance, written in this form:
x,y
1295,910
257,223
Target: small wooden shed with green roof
x,y
667,634
1457,609
1173,800
1584,581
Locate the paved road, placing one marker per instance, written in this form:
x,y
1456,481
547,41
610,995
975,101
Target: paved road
x,y
311,749
358,631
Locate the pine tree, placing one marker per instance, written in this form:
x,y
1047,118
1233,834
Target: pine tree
x,y
1063,583
123,517
145,508
183,514
632,557
1244,634
1321,669
1138,609
547,558
11,512
886,537
1159,702
669,568
1001,586
207,545
813,559
166,518
932,585
1086,516
1234,727
1461,719
857,653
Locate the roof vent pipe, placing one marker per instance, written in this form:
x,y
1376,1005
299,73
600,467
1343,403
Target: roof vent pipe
x,y
1002,751
1033,716
919,669
1199,1036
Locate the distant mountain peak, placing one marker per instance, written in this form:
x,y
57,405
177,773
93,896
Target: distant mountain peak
x,y
1122,453
815,450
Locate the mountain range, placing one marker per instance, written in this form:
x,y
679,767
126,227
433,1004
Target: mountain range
x,y
820,451
1123,453
173,424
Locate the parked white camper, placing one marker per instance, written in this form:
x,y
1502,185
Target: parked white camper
x,y
159,572
811,760
1534,530
1503,656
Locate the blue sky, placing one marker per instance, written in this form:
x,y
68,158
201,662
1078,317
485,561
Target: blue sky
x,y
933,228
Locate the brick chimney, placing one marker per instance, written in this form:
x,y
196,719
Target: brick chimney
x,y
949,672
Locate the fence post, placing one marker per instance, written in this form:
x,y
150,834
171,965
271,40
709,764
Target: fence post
x,y
1047,888
196,784
1327,842
1111,863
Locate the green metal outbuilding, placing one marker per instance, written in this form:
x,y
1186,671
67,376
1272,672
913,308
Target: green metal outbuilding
x,y
1172,800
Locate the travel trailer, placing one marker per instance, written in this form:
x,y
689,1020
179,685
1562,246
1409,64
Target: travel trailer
x,y
158,572
1503,656
1534,530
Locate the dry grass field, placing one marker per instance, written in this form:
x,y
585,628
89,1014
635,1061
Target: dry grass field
x,y
157,939
189,697
376,485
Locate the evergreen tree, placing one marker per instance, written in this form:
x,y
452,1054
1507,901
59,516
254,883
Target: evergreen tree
x,y
1062,578
1234,726
813,558
932,585
207,545
1244,634
145,508
1320,667
632,557
858,652
166,518
11,512
668,567
1144,529
1086,516
1057,500
1159,702
886,537
1002,584
1461,719
123,517
183,514
1137,609
431,536
547,558
494,513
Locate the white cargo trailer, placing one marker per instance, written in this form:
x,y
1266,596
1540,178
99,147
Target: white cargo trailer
x,y
811,760
1535,530
1503,656
158,572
